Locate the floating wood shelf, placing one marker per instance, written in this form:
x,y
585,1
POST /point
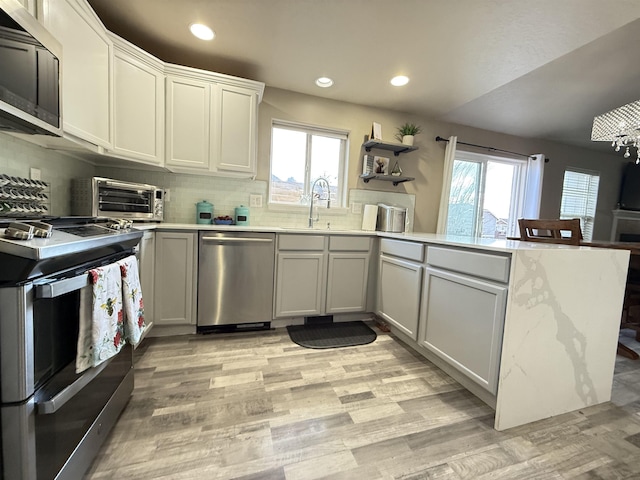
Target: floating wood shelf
x,y
386,178
396,148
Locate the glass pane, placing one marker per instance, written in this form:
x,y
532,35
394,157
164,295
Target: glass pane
x,y
289,150
497,199
463,198
579,199
325,162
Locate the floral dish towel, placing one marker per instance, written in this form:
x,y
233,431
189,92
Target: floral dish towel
x,y
132,298
101,332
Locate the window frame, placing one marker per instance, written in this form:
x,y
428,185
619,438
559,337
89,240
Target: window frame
x,y
343,167
587,223
518,187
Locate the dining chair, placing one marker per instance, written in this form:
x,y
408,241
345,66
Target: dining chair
x,y
550,231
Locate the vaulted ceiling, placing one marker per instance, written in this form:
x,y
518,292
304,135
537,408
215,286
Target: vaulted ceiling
x,y
540,69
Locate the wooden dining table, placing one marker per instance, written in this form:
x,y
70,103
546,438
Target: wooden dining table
x,y
633,247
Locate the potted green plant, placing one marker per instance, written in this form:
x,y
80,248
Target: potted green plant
x,y
407,132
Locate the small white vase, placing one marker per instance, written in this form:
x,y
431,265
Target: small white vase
x,y
407,139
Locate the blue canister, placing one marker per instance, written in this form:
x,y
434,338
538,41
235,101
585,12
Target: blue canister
x,y
242,216
204,212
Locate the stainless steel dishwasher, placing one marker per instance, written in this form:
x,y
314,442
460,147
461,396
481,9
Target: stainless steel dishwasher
x,y
235,280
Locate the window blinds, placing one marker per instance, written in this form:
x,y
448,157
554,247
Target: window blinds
x,y
579,199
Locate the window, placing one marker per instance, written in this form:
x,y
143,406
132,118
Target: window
x,y
487,195
579,198
300,154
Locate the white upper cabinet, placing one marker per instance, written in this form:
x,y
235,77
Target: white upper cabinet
x,y
188,123
211,122
138,104
121,101
86,69
234,131
29,5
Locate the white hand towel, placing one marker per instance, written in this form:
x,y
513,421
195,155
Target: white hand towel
x,y
132,298
101,329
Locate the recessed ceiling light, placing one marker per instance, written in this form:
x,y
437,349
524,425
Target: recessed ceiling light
x,y
201,31
324,82
399,81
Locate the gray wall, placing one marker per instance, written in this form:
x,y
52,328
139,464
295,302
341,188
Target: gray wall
x,y
426,164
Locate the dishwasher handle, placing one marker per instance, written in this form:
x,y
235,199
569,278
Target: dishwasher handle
x,y
237,240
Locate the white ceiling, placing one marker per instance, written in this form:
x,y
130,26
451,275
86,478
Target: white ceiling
x,y
536,68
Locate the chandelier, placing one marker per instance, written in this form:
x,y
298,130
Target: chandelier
x,y
621,127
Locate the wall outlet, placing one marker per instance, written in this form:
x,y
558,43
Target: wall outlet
x,y
167,195
255,201
356,208
35,174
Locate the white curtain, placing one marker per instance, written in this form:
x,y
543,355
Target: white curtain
x,y
533,186
449,157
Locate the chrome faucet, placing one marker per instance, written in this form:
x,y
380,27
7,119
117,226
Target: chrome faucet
x,y
311,219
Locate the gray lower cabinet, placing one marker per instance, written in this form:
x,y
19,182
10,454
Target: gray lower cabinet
x,y
462,323
318,275
399,292
347,282
147,273
175,278
300,284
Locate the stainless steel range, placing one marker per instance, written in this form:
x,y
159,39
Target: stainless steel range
x,y
54,420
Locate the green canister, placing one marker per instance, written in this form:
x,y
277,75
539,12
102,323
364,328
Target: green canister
x,y
242,216
204,212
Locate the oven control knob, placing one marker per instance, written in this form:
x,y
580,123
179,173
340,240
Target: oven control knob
x,y
41,229
119,224
19,231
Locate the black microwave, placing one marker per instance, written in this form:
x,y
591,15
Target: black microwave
x,y
29,74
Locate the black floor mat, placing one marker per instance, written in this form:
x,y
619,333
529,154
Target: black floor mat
x,y
331,335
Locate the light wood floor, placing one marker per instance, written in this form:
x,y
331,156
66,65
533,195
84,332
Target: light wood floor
x,y
254,405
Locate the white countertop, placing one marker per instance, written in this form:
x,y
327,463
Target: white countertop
x,y
493,244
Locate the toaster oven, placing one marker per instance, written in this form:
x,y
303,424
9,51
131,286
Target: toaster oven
x,y
105,197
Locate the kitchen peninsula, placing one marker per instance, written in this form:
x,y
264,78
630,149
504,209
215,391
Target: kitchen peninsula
x,y
531,329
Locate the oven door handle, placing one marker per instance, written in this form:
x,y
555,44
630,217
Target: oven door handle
x,y
60,287
59,399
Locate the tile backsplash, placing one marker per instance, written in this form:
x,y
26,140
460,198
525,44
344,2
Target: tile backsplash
x,y
17,156
228,193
